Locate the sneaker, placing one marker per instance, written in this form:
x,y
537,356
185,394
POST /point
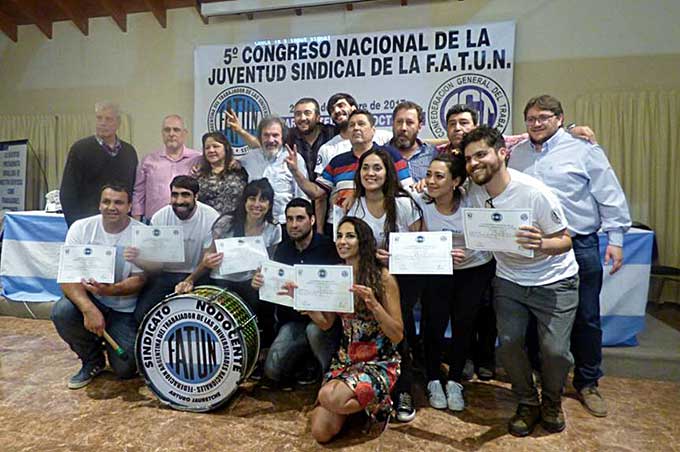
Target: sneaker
x,y
285,384
454,396
468,370
406,412
436,395
524,420
85,375
308,375
552,416
258,372
593,401
485,373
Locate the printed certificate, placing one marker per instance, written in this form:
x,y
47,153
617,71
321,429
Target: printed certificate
x,y
324,288
495,229
421,253
78,262
241,254
159,243
275,276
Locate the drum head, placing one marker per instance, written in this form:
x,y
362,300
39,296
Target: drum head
x,y
190,353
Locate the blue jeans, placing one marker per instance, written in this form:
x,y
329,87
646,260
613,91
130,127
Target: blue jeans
x,y
121,326
156,288
586,336
294,341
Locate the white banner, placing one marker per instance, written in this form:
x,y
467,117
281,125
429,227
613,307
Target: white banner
x,y
435,67
13,175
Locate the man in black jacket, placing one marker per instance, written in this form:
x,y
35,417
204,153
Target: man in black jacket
x,y
94,162
297,335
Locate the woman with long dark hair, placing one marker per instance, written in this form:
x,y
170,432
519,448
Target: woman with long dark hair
x,y
252,217
458,297
220,181
366,366
387,207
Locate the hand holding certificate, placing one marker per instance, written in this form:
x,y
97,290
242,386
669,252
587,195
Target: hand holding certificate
x,y
89,262
324,288
495,229
159,243
421,253
275,276
241,254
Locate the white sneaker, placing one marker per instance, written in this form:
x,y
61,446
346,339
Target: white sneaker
x,y
454,396
436,395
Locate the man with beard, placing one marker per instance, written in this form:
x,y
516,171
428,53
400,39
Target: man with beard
x,y
157,169
297,336
544,285
90,307
196,220
407,120
269,161
584,181
309,133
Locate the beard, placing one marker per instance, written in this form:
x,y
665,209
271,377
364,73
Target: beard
x,y
183,211
485,176
404,142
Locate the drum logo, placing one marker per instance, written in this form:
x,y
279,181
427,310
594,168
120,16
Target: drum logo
x,y
480,92
190,353
248,104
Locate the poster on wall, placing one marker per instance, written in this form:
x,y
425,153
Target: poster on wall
x,y
434,67
13,175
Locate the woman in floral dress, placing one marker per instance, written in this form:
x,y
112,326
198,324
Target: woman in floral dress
x,y
367,364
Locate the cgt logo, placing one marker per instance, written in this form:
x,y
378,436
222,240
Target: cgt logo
x,y
478,91
247,104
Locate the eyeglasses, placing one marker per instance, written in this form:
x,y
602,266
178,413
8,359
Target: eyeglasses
x,y
541,119
489,203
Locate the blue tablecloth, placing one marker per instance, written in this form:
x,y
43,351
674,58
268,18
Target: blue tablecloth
x,y
624,294
30,255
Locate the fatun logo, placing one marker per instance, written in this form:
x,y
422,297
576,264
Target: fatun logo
x,y
247,104
478,91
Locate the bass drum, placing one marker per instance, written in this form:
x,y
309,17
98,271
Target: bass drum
x,y
195,349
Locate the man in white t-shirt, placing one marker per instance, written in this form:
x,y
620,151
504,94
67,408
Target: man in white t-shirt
x,y
90,307
196,220
545,285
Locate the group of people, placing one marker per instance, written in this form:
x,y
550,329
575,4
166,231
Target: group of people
x,y
304,189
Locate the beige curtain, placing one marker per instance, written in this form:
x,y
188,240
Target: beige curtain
x,y
50,137
641,133
40,130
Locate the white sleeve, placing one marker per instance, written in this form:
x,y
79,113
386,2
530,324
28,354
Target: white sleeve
x,y
322,159
548,212
76,234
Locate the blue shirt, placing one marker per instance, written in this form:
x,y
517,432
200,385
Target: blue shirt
x,y
420,160
583,180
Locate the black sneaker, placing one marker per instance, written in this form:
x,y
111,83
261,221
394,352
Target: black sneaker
x,y
552,416
406,412
524,420
258,372
85,375
308,375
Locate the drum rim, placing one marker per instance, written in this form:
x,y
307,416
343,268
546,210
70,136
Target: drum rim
x,y
217,403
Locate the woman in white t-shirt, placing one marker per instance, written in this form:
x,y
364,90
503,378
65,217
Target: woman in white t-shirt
x,y
459,296
252,217
386,207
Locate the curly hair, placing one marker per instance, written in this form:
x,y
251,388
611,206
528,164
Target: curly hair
x,y
391,190
205,169
370,268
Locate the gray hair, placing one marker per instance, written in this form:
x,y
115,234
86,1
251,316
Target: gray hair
x,y
175,116
99,106
270,120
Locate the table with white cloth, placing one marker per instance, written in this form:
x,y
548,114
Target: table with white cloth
x,y
30,255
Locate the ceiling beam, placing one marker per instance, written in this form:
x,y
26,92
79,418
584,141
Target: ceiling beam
x,y
9,27
198,10
33,12
75,13
159,11
116,11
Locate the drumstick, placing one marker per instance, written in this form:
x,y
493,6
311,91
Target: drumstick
x,y
117,348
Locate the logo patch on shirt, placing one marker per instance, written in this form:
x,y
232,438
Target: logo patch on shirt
x,y
556,217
